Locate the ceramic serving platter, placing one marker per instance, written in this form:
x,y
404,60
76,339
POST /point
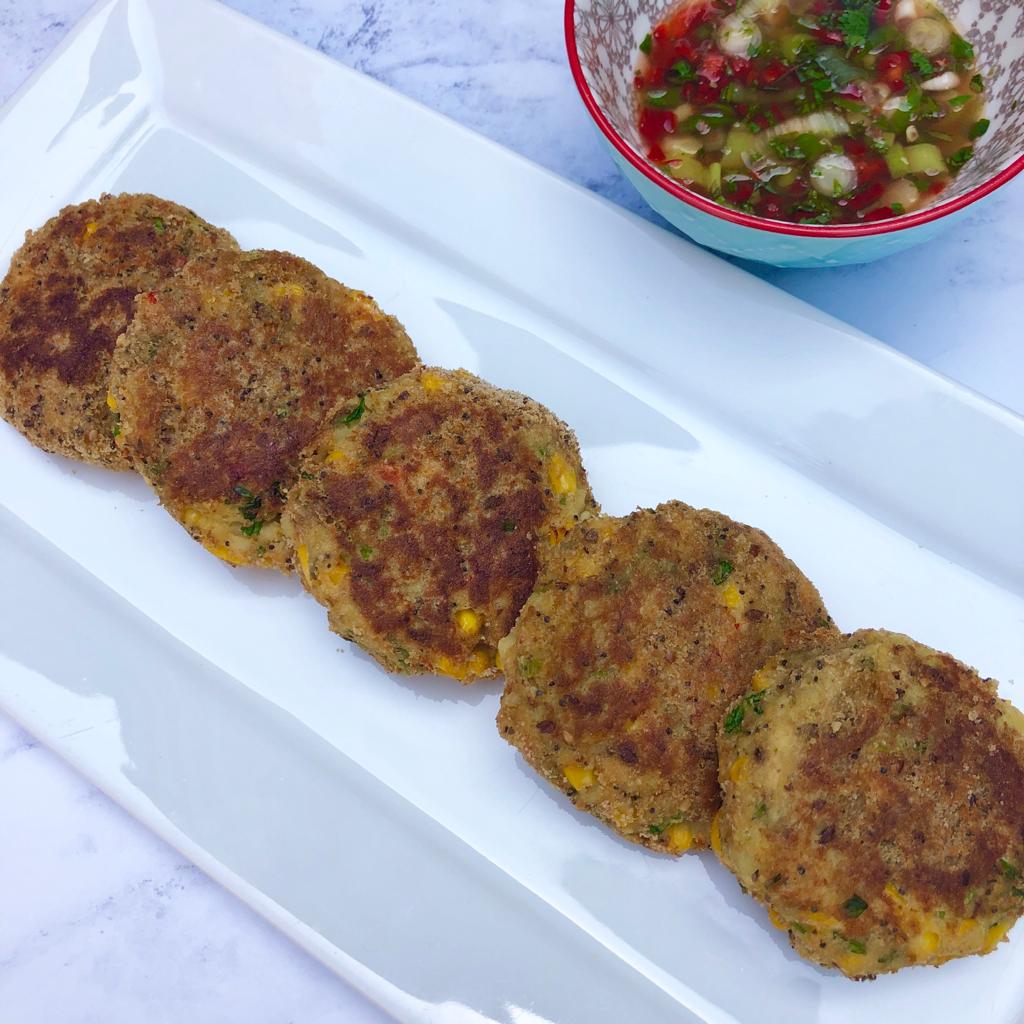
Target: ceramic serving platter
x,y
381,822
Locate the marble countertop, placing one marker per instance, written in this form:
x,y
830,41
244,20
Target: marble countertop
x,y
101,921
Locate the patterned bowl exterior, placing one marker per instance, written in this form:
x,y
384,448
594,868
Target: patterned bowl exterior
x,y
602,38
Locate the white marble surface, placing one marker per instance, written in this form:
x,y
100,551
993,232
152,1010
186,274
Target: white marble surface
x,y
100,921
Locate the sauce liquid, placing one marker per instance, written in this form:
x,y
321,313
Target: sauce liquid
x,y
810,111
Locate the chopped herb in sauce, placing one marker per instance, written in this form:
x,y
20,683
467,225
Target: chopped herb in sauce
x,y
814,114
979,128
855,25
683,71
960,48
922,64
961,157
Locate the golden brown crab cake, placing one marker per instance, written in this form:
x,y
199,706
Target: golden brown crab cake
x,y
641,632
873,801
228,372
67,296
420,513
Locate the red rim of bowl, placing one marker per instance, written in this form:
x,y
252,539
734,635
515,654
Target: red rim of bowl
x,y
882,227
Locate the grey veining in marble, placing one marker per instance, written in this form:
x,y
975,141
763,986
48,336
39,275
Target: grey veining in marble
x,y
99,921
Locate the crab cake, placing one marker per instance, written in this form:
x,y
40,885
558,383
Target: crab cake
x,y
227,373
67,296
420,514
641,632
873,800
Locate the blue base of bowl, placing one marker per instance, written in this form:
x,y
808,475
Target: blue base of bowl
x,y
778,250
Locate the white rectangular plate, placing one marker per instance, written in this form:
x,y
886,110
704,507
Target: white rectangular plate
x,y
381,821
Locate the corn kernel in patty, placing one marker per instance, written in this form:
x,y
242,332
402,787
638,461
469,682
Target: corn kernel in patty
x,y
577,776
561,475
468,622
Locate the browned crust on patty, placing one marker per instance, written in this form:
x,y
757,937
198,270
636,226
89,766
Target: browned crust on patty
x,y
67,296
225,376
877,769
418,523
642,630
